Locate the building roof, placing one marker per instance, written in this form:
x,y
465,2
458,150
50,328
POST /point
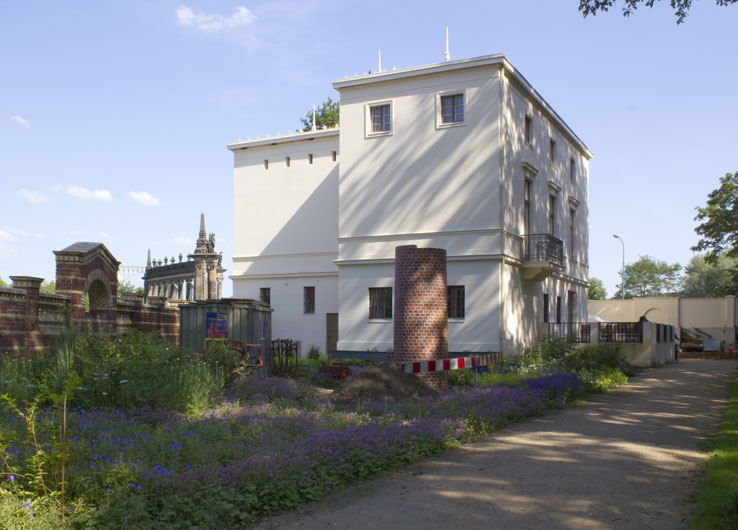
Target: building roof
x,y
86,250
81,246
475,62
287,138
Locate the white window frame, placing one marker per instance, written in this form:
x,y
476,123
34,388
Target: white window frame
x,y
439,109
368,133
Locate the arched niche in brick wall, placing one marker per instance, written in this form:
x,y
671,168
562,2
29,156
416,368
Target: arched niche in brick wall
x,y
98,291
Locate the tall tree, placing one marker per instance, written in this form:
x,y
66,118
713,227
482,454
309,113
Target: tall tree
x,y
596,290
680,7
326,116
719,220
710,280
649,277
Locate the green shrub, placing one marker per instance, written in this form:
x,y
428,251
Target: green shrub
x,y
495,378
603,379
314,352
460,377
603,354
220,356
131,371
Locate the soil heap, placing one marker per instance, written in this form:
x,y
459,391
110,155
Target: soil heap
x,y
384,381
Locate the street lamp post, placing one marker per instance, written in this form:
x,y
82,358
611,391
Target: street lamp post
x,y
622,287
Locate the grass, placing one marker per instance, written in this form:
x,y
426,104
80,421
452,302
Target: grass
x,y
717,497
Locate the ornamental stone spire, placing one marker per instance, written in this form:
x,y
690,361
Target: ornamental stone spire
x,y
202,238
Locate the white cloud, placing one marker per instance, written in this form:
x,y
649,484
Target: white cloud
x,y
20,120
183,241
8,235
84,193
144,198
32,196
15,233
186,16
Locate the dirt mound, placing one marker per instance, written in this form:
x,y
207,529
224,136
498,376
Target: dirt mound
x,y
380,382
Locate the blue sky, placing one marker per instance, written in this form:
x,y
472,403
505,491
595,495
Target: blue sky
x,y
114,115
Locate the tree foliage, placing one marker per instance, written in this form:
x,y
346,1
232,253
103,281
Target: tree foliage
x,y
596,290
48,287
680,7
326,116
128,288
718,227
649,277
2,283
710,280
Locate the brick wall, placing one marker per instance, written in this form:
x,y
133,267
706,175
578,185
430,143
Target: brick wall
x,y
30,321
421,309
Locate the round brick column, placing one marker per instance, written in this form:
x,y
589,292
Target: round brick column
x,y
421,309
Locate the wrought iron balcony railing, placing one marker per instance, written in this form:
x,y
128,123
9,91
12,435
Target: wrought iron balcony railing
x,y
544,247
571,331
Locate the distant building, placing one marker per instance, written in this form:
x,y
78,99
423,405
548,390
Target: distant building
x,y
699,317
200,277
461,155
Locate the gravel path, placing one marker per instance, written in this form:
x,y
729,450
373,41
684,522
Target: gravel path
x,y
626,459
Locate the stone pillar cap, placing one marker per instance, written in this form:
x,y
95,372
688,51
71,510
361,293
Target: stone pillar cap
x,y
26,281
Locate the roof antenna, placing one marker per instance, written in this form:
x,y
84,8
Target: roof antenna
x,y
447,55
313,117
380,62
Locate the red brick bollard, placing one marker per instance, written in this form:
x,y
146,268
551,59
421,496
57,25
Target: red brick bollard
x,y
421,309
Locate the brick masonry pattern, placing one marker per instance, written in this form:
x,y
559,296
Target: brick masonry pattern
x,y
30,320
421,309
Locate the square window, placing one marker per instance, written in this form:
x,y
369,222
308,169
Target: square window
x,y
308,296
456,301
452,108
380,302
381,118
265,295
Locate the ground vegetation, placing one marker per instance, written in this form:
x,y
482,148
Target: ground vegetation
x,y
131,432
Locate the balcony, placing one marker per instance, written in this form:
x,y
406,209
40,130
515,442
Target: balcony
x,y
543,255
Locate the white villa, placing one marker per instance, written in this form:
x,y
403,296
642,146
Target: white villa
x,y
461,155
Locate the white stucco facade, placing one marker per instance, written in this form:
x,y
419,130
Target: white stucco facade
x,y
286,230
425,179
